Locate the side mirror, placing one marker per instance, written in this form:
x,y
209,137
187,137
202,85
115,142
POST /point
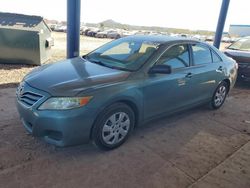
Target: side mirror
x,y
160,69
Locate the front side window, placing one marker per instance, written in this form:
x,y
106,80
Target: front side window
x,y
176,57
123,53
201,54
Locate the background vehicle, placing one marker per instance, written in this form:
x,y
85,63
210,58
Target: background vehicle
x,y
226,39
52,26
92,33
60,28
88,30
209,38
122,84
83,29
240,52
104,34
114,35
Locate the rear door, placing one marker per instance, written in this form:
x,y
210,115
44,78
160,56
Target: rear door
x,y
207,71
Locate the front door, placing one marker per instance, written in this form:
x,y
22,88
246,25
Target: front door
x,y
166,93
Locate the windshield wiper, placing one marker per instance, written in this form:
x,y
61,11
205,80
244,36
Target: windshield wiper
x,y
106,65
97,62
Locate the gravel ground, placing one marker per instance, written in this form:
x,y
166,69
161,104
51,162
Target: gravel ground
x,y
11,75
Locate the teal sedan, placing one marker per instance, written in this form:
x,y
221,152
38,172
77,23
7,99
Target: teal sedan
x,y
103,95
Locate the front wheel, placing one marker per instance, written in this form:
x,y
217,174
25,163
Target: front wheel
x,y
219,95
113,126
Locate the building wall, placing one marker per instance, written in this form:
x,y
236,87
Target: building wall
x,y
239,30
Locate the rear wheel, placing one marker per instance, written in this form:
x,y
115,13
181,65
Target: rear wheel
x,y
113,126
219,95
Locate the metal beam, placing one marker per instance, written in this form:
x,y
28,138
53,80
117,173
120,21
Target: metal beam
x,y
73,28
221,23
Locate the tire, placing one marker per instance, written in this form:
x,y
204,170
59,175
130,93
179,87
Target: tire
x,y
219,95
113,127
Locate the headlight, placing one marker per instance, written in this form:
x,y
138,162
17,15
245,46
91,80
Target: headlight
x,y
64,103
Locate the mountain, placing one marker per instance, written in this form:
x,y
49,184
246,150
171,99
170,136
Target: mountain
x,y
116,25
111,23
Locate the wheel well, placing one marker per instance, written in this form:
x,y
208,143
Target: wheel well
x,y
133,107
228,83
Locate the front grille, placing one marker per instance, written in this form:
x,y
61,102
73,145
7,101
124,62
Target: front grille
x,y
29,98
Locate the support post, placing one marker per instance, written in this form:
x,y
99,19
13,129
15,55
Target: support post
x,y
73,28
221,23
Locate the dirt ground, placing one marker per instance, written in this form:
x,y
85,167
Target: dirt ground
x,y
198,148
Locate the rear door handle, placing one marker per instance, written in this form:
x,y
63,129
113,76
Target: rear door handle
x,y
189,75
220,69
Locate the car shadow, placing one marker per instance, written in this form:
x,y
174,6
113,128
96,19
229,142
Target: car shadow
x,y
9,85
4,66
168,120
144,129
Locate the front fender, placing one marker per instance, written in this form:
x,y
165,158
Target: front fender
x,y
129,93
132,98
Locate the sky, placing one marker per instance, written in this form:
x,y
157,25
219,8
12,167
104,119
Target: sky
x,y
185,14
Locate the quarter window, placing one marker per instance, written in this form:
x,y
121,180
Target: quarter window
x,y
176,57
201,54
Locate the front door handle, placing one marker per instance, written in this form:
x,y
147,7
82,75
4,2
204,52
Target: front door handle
x,y
189,75
220,69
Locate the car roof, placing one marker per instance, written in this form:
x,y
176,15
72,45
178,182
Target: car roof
x,y
159,38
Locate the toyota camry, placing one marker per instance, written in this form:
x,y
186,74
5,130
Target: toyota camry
x,y
103,95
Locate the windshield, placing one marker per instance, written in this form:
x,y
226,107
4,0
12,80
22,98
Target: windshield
x,y
125,53
242,44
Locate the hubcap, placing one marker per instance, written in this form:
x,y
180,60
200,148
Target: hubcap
x,y
220,95
116,128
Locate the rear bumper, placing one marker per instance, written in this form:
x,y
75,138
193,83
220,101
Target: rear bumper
x,y
60,128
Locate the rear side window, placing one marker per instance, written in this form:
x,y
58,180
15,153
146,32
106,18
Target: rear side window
x,y
201,54
216,57
176,56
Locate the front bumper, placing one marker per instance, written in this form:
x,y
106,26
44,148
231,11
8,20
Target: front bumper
x,y
57,127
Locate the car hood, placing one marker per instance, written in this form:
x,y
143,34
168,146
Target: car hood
x,y
69,77
238,55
